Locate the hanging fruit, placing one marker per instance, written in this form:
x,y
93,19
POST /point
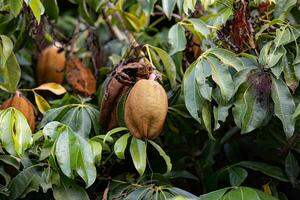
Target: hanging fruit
x,y
146,109
117,85
22,104
50,65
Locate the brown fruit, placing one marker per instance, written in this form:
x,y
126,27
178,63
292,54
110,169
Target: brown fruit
x,y
80,77
50,66
22,104
146,109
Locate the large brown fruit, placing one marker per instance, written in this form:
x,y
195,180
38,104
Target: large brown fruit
x,y
22,104
146,109
80,77
50,66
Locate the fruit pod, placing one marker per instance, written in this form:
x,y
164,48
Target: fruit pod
x,y
22,104
50,65
146,109
80,77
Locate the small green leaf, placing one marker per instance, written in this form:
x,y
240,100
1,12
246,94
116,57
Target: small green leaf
x,y
15,7
227,58
68,190
200,26
222,77
169,66
237,175
168,7
163,155
37,8
177,38
264,168
215,195
292,168
138,152
284,105
51,8
120,146
113,131
283,7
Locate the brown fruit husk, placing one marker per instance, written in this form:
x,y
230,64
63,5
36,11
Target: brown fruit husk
x,y
50,65
22,104
80,77
146,109
118,84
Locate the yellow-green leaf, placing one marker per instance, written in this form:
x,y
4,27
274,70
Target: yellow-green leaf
x,y
52,87
41,103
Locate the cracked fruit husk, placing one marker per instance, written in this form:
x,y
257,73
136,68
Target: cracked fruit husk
x,y
80,77
50,66
146,109
22,104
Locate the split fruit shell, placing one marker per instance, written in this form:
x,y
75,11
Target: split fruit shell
x,y
22,104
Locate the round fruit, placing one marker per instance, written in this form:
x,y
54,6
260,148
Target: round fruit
x,y
50,65
80,77
146,109
22,104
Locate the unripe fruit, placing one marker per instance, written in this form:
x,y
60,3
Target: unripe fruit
x,y
146,109
22,104
50,66
80,77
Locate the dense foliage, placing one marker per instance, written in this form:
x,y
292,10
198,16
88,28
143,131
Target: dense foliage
x,y
231,71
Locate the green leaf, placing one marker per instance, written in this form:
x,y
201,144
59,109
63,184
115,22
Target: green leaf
x,y
68,190
199,26
11,160
189,6
237,175
290,76
206,116
284,105
26,181
192,99
9,67
283,36
73,152
242,193
51,8
215,195
169,66
120,146
283,7
222,77
15,133
168,7
163,155
113,131
227,58
37,9
176,38
202,72
97,151
292,168
272,171
85,13
138,152
255,112
15,7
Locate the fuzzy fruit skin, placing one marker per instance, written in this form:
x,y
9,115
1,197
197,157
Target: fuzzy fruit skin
x,y
50,66
146,109
22,104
